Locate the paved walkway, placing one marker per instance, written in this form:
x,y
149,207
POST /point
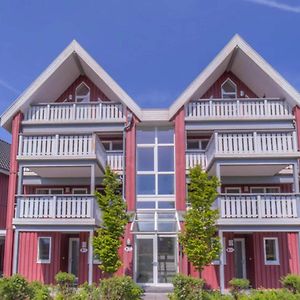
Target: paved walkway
x,y
155,296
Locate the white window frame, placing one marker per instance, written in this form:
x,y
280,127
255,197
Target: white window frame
x,y
273,262
49,190
199,141
44,261
264,188
233,187
80,189
155,172
85,99
228,93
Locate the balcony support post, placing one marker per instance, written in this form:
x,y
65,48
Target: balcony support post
x,y
218,175
16,252
296,177
92,179
90,257
20,180
221,269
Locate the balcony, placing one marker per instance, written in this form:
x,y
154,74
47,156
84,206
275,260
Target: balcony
x,y
56,209
92,112
235,109
259,208
245,145
68,147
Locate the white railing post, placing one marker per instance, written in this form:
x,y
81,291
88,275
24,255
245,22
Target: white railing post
x,y
56,144
211,109
73,116
260,206
20,144
238,112
255,145
295,143
53,207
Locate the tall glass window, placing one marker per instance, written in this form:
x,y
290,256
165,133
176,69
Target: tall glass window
x,y
155,161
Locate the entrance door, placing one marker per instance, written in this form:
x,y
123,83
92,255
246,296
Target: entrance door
x,y
73,256
155,259
239,258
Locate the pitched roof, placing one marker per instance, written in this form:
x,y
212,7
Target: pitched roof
x,y
71,62
237,56
4,155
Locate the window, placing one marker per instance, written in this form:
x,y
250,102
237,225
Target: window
x,y
79,191
265,189
233,190
51,191
113,145
229,90
200,144
82,93
271,251
155,161
44,250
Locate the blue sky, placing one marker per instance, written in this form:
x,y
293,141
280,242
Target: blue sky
x,y
153,49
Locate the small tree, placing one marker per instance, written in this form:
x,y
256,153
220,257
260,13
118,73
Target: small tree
x,y
114,219
198,238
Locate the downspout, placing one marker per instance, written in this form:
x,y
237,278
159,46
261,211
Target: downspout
x,y
125,128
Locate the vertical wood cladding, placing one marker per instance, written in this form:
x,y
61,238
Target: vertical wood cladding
x,y
215,90
3,199
95,92
27,261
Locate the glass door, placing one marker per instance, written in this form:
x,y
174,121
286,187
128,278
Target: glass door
x,y
155,259
166,259
240,258
144,259
73,256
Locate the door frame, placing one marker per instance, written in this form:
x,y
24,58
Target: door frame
x,y
242,240
154,238
71,252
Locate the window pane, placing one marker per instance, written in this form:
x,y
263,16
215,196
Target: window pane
x,y
165,135
117,145
270,250
272,190
44,248
145,159
145,204
166,184
145,136
167,226
166,204
204,144
145,184
192,145
229,87
165,158
257,190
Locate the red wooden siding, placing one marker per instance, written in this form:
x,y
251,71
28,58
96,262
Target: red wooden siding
x,y
12,186
3,199
130,162
180,160
27,262
215,90
95,92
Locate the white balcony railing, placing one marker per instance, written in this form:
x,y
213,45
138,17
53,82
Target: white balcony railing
x,y
75,112
68,147
55,206
193,158
258,206
247,144
222,109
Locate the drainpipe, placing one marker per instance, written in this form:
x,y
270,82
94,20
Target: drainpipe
x,y
125,128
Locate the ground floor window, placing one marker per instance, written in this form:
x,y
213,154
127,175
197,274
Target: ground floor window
x,y
271,252
44,250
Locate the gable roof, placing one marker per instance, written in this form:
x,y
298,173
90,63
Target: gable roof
x,y
70,63
242,60
4,156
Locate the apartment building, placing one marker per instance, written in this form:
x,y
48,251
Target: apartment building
x,y
238,119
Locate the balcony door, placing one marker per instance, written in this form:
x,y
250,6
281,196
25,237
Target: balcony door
x,y
155,259
239,258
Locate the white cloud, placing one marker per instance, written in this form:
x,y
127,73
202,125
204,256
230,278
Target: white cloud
x,y
6,85
278,5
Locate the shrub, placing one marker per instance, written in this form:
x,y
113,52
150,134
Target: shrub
x,y
65,283
237,285
276,294
187,288
215,295
119,288
14,288
39,291
87,292
292,283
